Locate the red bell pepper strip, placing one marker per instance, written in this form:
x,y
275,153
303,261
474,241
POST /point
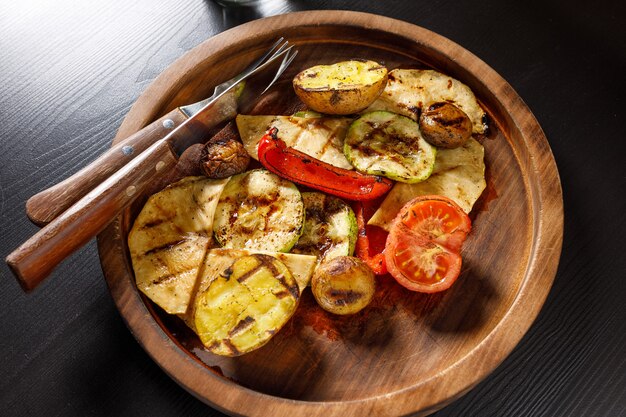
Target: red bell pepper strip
x,y
362,250
296,166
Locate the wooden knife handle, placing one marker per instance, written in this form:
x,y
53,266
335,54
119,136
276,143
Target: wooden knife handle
x,y
37,257
45,206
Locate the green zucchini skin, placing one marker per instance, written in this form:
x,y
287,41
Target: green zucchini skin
x,y
391,145
258,210
330,228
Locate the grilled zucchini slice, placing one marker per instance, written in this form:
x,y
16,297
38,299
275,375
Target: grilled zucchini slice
x,y
391,145
330,228
245,305
259,210
169,238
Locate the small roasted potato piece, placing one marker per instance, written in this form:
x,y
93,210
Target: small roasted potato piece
x,y
445,125
343,88
245,305
224,157
343,285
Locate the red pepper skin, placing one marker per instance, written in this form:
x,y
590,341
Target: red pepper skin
x,y
303,169
362,249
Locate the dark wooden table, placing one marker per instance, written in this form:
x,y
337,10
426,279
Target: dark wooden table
x,y
70,72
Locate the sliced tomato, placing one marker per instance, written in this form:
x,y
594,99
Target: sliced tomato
x,y
424,243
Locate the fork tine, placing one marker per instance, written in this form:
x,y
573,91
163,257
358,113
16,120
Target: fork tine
x,y
283,66
270,53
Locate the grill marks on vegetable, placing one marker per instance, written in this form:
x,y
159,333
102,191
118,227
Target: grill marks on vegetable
x,y
245,305
329,229
385,143
259,210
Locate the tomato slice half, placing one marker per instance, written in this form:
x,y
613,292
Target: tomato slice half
x,y
423,248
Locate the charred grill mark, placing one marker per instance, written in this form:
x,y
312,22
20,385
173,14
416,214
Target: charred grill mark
x,y
166,247
169,277
281,294
344,297
241,326
248,274
340,266
156,222
436,106
333,206
335,98
268,262
181,184
233,349
227,273
214,345
449,122
416,110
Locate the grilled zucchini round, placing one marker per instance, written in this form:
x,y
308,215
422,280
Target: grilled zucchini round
x,y
330,228
259,210
391,145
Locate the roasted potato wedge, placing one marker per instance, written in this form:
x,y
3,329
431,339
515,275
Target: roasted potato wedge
x,y
343,88
245,305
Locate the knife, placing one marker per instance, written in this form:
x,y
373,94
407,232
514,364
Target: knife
x,y
36,258
48,204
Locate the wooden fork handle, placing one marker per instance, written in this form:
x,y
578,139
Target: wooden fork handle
x,y
37,257
47,205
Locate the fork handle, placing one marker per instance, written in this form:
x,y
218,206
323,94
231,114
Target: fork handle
x,y
35,259
45,206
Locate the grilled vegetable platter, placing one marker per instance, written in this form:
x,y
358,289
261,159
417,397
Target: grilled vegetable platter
x,y
371,180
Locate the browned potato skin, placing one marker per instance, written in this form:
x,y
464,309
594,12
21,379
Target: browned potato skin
x,y
224,157
445,125
343,285
343,101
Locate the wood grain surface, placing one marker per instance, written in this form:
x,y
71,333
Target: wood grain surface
x,y
71,73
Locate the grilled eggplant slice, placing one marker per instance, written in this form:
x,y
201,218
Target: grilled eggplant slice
x,y
459,174
391,145
319,137
330,228
409,91
169,238
243,307
259,210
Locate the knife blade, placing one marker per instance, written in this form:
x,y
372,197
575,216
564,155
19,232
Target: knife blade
x,y
36,258
48,204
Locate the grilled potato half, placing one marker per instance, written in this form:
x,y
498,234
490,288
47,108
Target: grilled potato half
x,y
343,88
169,238
245,304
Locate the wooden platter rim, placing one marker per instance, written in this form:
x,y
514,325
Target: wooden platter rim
x,y
428,395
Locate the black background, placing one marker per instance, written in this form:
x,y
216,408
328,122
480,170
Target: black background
x,y
70,71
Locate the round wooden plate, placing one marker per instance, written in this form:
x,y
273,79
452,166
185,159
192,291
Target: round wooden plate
x,y
407,352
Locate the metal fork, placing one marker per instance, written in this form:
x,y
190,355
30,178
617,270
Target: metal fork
x,y
35,259
48,204
278,49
